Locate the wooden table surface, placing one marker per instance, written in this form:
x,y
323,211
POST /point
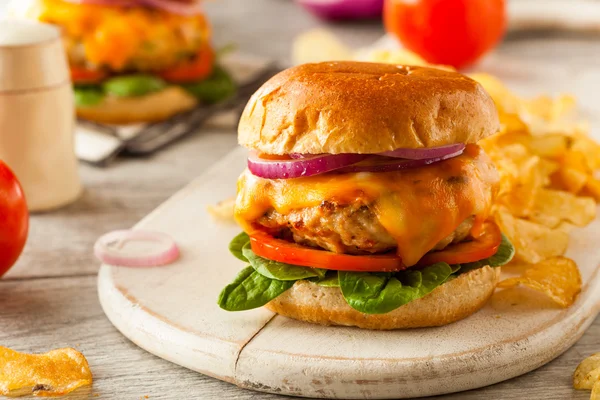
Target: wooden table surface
x,y
49,299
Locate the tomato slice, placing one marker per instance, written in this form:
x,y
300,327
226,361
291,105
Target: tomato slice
x,y
267,246
84,75
481,247
197,69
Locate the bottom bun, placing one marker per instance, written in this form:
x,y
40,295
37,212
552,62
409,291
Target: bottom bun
x,y
154,107
454,300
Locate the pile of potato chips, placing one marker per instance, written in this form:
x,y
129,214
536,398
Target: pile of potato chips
x,y
546,161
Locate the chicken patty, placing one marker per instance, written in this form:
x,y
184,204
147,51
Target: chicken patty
x,y
350,229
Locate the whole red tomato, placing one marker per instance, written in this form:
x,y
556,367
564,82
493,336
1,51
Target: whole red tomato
x,y
14,219
449,32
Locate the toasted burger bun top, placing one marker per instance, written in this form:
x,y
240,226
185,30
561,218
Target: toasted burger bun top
x,y
357,107
453,301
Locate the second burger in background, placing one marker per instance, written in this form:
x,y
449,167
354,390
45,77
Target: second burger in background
x,y
137,60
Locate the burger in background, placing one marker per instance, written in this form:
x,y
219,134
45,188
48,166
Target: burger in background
x,y
136,60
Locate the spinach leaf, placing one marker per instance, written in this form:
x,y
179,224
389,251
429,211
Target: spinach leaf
x,y
133,85
88,95
251,290
505,253
217,87
380,293
278,270
329,280
237,244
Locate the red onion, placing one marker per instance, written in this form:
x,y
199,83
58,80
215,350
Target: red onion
x,y
110,249
119,3
420,154
344,9
180,7
302,167
187,8
387,165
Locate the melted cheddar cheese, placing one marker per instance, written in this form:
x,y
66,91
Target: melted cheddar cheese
x,y
121,38
418,207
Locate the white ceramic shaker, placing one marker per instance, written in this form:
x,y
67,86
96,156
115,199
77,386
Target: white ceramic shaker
x,y
37,114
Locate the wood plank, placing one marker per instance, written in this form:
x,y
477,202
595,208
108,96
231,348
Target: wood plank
x,y
42,314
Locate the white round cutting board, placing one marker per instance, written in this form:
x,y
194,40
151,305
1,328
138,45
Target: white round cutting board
x,y
172,312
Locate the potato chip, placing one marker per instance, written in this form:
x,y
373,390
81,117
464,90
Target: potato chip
x,y
319,45
223,210
546,168
400,56
525,179
505,100
565,206
592,188
575,160
589,149
569,179
595,395
587,372
556,277
55,373
552,109
551,221
521,198
551,146
566,227
533,242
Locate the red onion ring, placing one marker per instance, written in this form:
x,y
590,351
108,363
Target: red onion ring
x,y
420,154
344,9
110,249
118,3
301,167
185,8
396,164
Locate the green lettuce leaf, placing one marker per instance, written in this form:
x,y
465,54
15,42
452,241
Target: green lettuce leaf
x,y
278,270
251,290
380,293
237,244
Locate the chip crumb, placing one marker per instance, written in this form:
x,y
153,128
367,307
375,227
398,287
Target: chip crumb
x,y
223,210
